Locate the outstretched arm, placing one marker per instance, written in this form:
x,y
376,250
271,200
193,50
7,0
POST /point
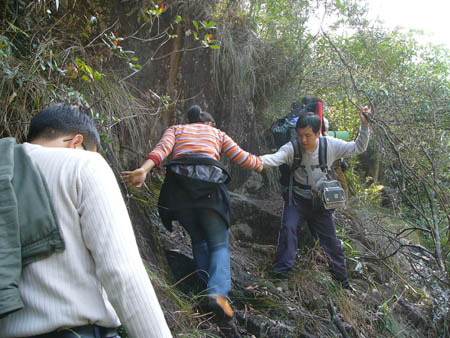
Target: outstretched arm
x,y
347,149
137,177
284,155
240,156
159,153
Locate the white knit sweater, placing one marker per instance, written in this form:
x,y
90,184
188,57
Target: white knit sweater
x,y
100,276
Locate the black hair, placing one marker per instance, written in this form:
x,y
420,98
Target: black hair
x,y
61,119
308,99
309,119
207,117
193,114
296,105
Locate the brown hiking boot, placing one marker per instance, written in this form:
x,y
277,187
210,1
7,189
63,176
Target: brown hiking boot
x,y
220,307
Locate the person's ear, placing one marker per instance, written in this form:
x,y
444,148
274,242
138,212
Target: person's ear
x,y
76,142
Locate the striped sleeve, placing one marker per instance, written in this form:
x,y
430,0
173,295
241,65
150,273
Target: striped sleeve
x,y
239,156
163,148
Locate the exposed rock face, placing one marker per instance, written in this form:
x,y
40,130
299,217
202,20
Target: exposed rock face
x,y
211,78
251,223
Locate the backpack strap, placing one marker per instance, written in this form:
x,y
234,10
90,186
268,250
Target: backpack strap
x,y
323,145
297,154
295,164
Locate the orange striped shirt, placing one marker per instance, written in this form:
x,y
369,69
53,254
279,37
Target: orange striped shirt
x,y
200,138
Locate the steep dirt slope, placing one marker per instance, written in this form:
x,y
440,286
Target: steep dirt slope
x,y
310,304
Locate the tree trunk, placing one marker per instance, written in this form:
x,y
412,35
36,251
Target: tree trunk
x,y
172,81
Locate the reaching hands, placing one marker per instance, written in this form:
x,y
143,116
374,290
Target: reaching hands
x,y
137,177
364,115
260,167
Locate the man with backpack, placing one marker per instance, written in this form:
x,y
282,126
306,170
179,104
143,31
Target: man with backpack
x,y
305,178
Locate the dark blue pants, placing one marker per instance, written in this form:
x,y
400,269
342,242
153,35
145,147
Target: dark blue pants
x,y
321,225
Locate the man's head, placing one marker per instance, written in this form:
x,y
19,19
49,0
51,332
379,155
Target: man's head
x,y
296,105
65,126
308,99
308,130
207,118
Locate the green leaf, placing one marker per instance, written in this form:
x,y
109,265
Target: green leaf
x,y
339,5
178,19
214,46
88,70
195,23
86,78
209,25
80,63
85,35
17,29
97,76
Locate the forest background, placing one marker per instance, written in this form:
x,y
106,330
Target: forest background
x,y
136,66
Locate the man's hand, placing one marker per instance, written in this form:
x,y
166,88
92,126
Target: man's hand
x,y
135,177
260,168
364,115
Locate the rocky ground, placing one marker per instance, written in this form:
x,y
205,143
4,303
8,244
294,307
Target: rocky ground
x,y
386,301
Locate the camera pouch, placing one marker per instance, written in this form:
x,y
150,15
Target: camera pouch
x,y
331,194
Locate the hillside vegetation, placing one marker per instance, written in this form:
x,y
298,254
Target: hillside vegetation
x,y
136,66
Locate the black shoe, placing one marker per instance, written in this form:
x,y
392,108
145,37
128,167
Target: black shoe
x,y
229,329
221,308
280,276
346,286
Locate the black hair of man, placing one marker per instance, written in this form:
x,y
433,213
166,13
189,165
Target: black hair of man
x,y
309,119
193,114
207,118
63,119
296,105
308,99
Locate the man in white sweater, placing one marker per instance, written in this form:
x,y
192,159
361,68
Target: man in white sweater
x,y
99,280
320,221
